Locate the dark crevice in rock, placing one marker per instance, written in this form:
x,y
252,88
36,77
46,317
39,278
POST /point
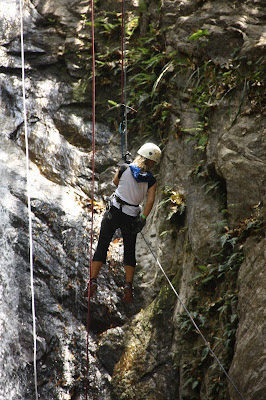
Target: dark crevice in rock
x,y
220,189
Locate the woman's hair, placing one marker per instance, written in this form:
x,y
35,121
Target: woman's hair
x,y
141,163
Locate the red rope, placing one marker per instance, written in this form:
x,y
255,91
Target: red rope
x,y
123,79
93,184
122,52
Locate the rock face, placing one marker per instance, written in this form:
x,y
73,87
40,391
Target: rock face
x,y
251,330
60,133
206,227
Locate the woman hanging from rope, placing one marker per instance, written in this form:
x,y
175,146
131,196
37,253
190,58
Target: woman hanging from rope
x,y
134,182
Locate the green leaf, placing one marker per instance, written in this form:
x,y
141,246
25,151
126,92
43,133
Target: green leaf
x,y
168,66
164,233
189,381
202,268
209,278
224,239
194,384
203,141
204,353
233,241
199,34
234,318
182,208
113,103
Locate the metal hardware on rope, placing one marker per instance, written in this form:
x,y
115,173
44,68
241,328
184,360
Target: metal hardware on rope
x,y
192,320
29,203
126,156
92,189
122,126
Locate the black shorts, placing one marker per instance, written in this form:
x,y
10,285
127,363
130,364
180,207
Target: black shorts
x,y
108,228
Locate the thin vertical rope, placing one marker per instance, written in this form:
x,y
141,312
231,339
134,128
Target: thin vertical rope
x,y
124,71
122,54
93,186
29,203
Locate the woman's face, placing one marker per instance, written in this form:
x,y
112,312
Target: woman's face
x,y
150,163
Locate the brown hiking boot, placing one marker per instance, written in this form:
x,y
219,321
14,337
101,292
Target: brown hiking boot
x,y
128,293
93,288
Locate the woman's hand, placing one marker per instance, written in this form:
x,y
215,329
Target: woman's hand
x,y
139,224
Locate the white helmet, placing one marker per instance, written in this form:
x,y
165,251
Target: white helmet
x,y
150,151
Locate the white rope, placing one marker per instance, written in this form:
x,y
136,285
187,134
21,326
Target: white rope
x,y
192,320
29,203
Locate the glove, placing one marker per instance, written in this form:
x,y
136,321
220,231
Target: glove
x,y
139,224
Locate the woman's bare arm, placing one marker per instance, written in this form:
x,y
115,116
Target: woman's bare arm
x,y
116,179
150,200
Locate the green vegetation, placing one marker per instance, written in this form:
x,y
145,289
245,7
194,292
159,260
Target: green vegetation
x,y
148,65
174,201
214,309
151,80
209,84
199,34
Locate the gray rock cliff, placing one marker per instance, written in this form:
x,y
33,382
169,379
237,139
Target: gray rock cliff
x,y
196,76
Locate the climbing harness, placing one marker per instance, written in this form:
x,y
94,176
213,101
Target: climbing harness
x,y
124,203
92,190
29,202
191,318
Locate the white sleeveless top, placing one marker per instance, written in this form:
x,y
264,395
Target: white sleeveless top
x,y
130,191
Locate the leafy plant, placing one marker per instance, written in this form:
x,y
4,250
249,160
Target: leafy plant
x,y
214,309
199,34
148,66
174,200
